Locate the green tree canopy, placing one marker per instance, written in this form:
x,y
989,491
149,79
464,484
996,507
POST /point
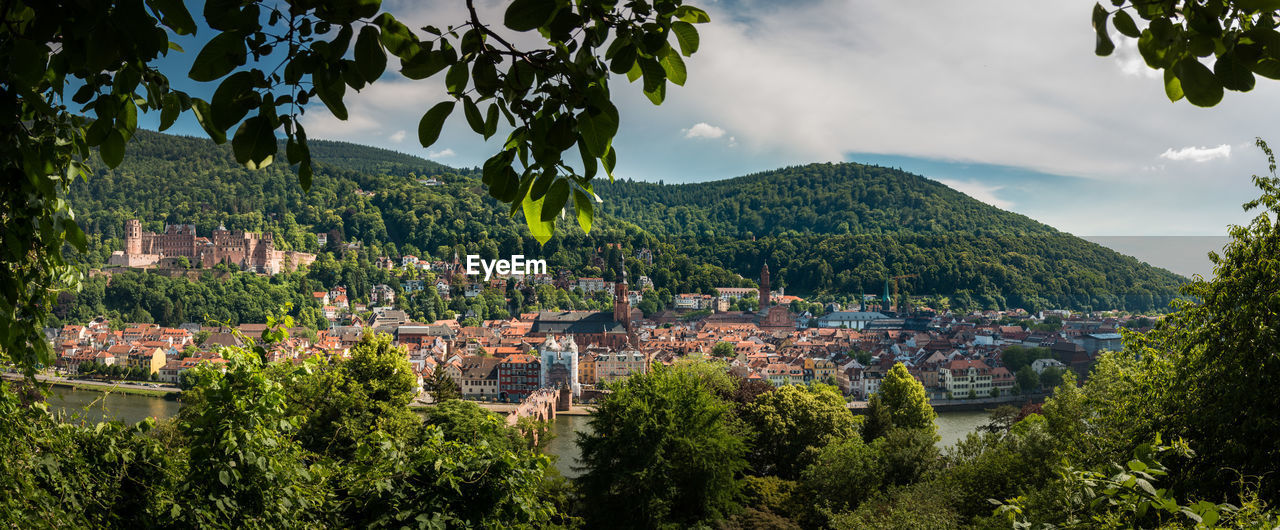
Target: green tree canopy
x,y
788,421
906,400
662,450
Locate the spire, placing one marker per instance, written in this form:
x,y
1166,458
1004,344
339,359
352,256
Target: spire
x,y
764,286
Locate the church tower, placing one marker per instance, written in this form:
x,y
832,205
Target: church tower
x,y
622,307
764,286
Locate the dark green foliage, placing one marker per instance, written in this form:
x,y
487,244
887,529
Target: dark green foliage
x,y
442,387
1016,357
662,451
320,444
1027,380
722,350
843,473
341,403
787,422
843,228
466,422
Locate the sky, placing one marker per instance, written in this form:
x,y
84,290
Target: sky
x,y
1004,101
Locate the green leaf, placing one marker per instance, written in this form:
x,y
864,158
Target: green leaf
x,y
456,80
686,36
28,61
204,115
673,65
174,15
1268,68
1103,47
233,99
74,234
491,121
541,230
624,60
1232,73
586,213
371,60
331,89
432,122
598,129
396,37
485,77
472,112
112,149
224,478
1125,25
254,143
658,94
219,57
543,183
1172,87
524,15
425,64
169,113
692,14
304,173
634,73
609,160
555,199
1198,83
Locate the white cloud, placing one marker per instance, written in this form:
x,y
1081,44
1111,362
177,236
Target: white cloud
x,y
982,192
703,130
397,136
443,153
1197,154
966,82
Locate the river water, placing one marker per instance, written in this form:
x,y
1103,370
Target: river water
x,y
94,406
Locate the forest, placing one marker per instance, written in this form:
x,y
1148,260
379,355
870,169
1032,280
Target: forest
x,y
833,230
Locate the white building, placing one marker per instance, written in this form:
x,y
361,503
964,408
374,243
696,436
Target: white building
x,y
849,319
560,364
961,377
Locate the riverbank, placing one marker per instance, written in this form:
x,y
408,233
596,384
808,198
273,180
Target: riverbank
x,y
121,387
967,405
508,408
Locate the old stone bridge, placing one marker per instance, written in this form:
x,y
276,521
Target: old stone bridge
x,y
542,405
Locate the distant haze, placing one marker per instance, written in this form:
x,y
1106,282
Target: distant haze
x,y
1185,255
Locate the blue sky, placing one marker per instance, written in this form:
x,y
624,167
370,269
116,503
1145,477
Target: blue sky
x,y
1003,101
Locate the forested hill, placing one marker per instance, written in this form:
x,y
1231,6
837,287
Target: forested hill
x,y
828,231
811,199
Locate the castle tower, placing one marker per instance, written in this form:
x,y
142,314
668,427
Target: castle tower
x,y
133,237
764,286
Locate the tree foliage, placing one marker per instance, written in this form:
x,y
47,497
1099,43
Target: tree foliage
x,y
1238,38
905,399
787,422
662,450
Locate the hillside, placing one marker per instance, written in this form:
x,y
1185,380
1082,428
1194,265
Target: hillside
x,y
831,199
827,230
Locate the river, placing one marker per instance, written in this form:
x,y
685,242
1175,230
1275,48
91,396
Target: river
x,y
94,406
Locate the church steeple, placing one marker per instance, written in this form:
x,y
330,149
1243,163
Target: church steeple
x,y
764,286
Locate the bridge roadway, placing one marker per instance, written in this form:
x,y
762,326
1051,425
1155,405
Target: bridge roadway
x,y
540,405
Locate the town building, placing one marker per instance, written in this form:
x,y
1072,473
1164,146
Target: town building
x,y
519,376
